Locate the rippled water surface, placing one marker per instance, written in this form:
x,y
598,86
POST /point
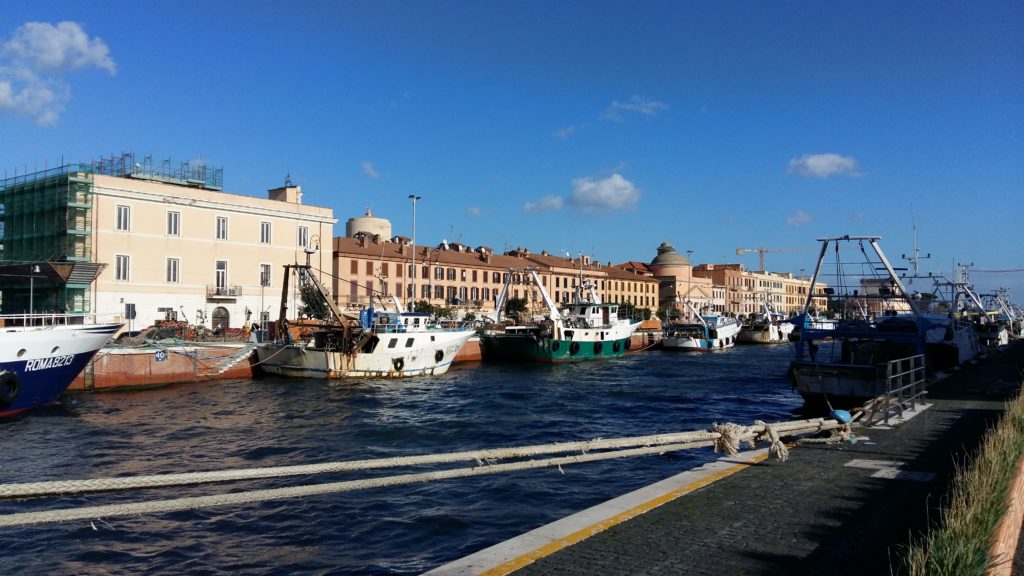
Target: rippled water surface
x,y
399,530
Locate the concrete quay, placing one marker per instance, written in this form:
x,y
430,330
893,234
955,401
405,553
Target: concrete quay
x,y
830,509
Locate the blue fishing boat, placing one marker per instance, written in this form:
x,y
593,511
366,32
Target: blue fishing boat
x,y
873,321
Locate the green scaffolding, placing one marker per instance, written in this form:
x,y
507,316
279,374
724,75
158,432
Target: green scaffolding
x,y
46,217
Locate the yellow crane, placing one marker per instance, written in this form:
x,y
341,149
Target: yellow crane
x,y
761,252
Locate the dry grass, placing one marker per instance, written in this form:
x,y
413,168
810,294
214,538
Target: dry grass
x,y
959,547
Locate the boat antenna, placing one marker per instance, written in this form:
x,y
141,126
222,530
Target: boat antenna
x,y
915,256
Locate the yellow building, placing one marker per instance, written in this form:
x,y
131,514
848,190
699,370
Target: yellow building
x,y
174,245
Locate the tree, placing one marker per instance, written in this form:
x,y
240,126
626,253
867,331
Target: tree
x,y
515,307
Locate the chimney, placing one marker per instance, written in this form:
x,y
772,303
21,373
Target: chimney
x,y
286,193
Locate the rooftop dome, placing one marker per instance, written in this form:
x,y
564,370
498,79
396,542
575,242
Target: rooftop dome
x,y
668,256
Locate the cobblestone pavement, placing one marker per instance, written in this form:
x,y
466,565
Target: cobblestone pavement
x,y
813,514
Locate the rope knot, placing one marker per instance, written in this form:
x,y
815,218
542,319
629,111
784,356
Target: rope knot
x,y
777,449
729,438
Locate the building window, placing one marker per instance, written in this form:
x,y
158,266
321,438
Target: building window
x,y
264,274
121,267
355,266
474,275
369,290
438,273
172,270
486,294
384,270
439,292
174,223
497,278
124,214
222,228
303,236
451,273
264,232
369,268
221,276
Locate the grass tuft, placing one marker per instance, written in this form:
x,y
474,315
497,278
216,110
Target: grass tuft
x,y
959,547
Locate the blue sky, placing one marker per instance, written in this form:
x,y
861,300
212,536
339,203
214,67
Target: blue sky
x,y
606,127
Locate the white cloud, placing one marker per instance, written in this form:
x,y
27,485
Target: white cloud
x,y
66,46
637,104
545,204
799,218
369,169
824,165
603,195
33,62
568,131
474,211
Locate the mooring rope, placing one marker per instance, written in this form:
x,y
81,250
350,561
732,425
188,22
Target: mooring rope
x,y
57,487
640,446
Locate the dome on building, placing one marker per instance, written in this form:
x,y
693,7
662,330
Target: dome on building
x,y
668,256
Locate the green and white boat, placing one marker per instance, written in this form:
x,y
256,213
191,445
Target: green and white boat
x,y
586,329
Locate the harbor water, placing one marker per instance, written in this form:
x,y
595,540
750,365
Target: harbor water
x,y
399,530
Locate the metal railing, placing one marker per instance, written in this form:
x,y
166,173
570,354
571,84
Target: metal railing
x,y
223,291
905,386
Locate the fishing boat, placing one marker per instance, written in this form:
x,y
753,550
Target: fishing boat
x,y
765,327
844,362
587,329
41,354
706,334
951,339
370,343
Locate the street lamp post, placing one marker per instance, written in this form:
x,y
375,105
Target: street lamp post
x,y
411,302
32,289
689,278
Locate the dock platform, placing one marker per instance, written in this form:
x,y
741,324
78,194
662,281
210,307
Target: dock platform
x,y
830,509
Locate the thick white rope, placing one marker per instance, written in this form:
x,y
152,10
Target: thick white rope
x,y
748,434
30,489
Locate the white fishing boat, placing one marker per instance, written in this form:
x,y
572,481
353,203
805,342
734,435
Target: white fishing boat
x,y
706,334
765,327
41,354
587,329
369,344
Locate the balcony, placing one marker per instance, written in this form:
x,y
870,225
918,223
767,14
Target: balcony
x,y
223,292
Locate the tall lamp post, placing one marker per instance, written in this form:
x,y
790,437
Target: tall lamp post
x,y
411,302
689,279
32,289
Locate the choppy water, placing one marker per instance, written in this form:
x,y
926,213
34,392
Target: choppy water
x,y
403,530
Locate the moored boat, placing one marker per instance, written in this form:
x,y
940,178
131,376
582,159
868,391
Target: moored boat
x,y
587,329
706,334
843,362
765,327
371,344
41,354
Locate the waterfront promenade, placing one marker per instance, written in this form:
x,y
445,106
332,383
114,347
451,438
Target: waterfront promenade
x,y
830,509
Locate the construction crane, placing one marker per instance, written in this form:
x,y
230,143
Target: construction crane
x,y
761,252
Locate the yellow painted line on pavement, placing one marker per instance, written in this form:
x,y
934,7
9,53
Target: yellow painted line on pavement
x,y
566,541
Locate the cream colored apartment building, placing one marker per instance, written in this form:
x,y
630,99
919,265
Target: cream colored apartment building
x,y
146,241
178,252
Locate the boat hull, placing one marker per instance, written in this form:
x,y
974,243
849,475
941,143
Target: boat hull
x,y
402,355
838,385
530,348
697,339
38,363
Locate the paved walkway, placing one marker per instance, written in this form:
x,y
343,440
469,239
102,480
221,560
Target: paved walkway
x,y
830,509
